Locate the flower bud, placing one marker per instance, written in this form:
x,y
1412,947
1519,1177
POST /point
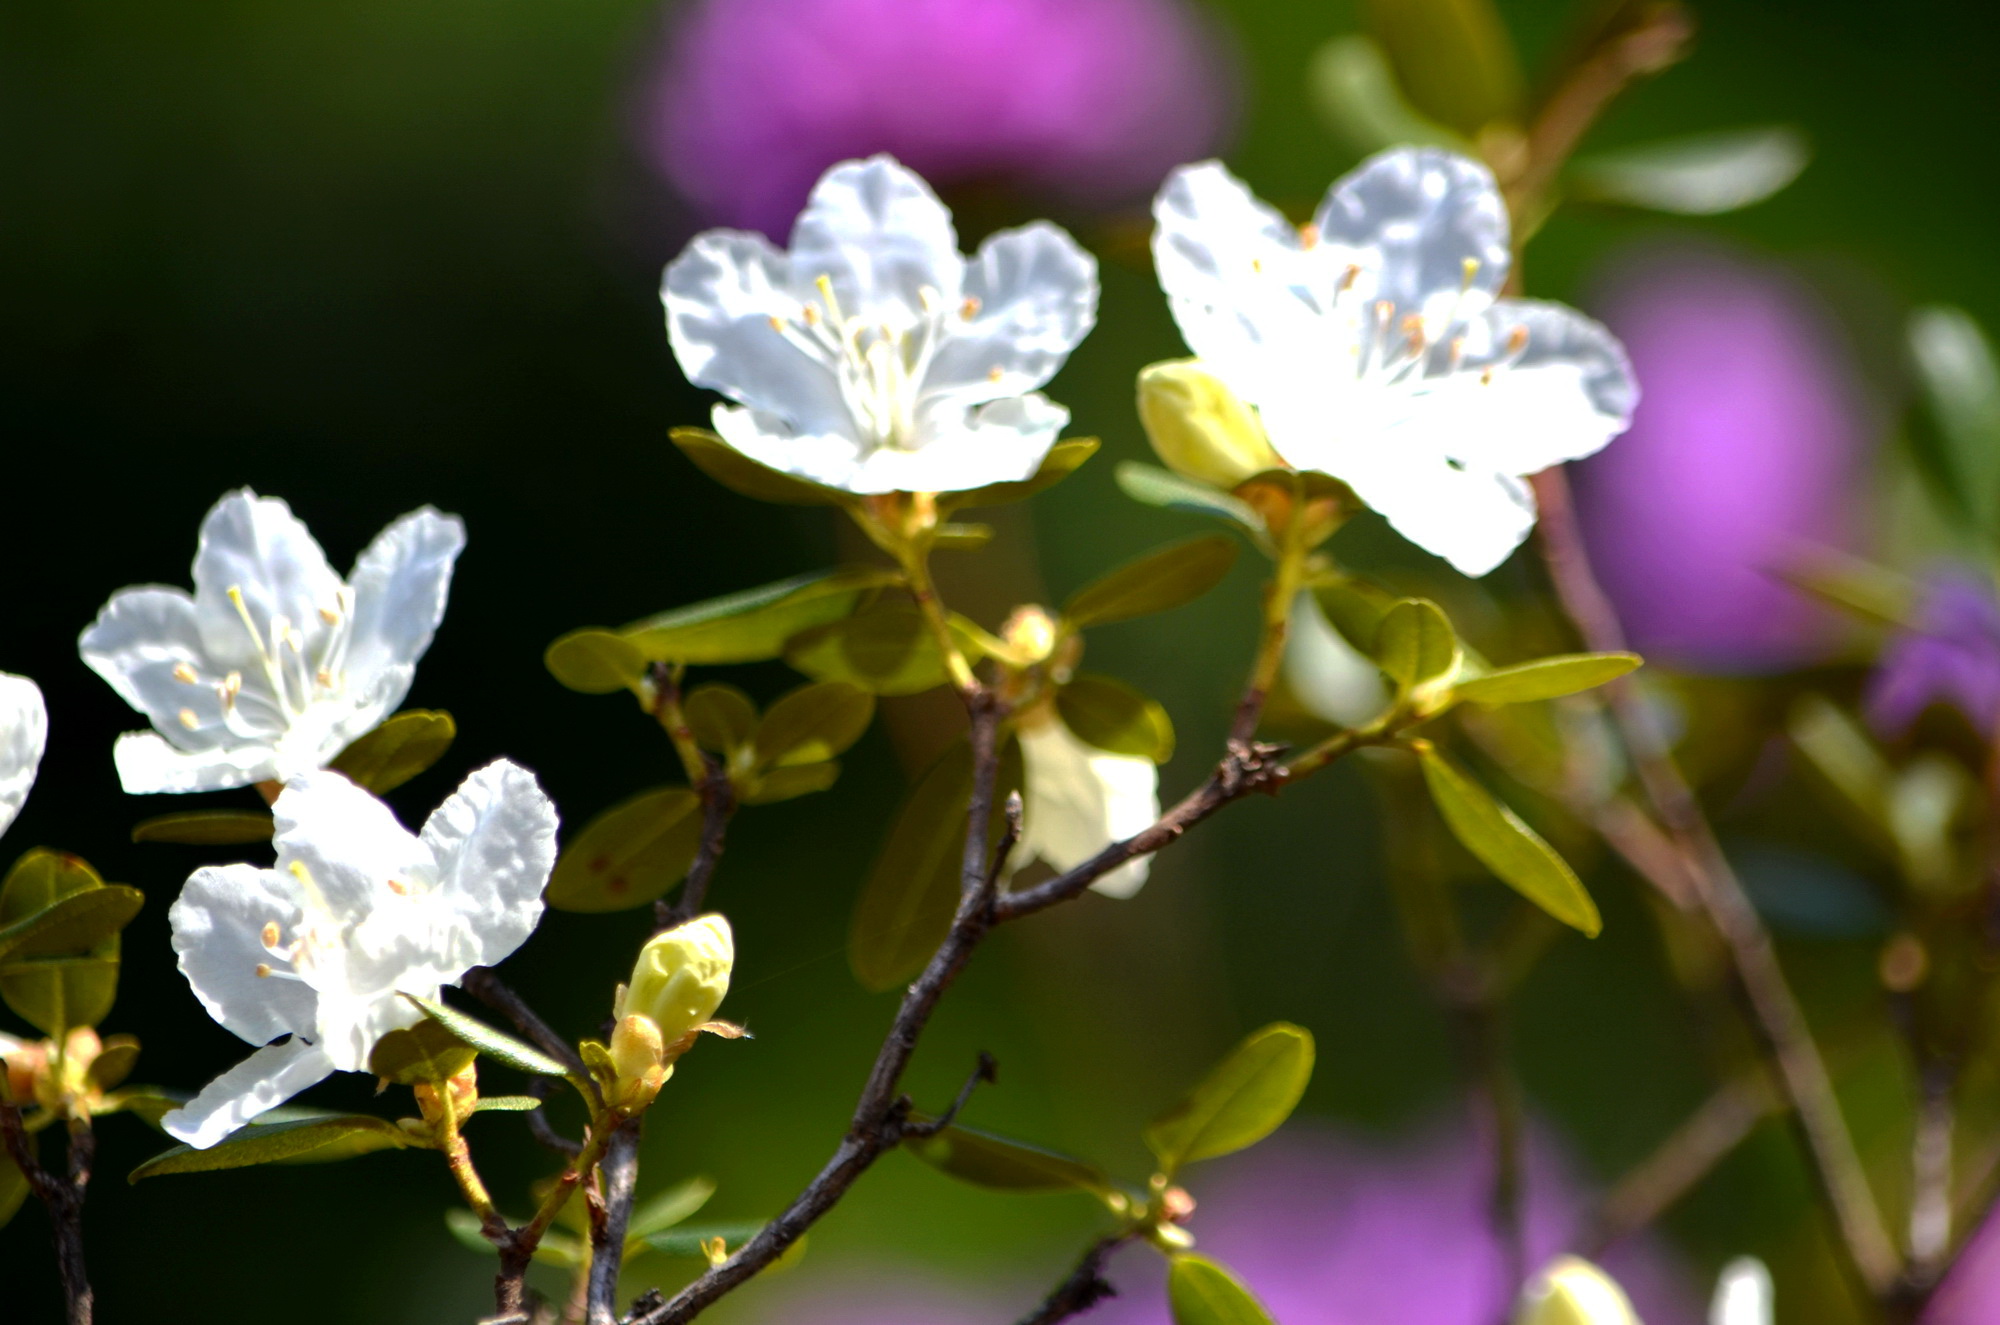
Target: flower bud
x,y
1570,1291
25,1061
639,1057
680,979
1200,428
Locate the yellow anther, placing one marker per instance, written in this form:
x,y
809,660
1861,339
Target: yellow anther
x,y
994,373
1309,235
825,284
270,934
777,323
185,674
263,969
1257,265
1486,376
1471,272
324,677
1349,277
328,615
189,720
1385,309
970,308
398,887
810,313
298,868
715,1249
1517,340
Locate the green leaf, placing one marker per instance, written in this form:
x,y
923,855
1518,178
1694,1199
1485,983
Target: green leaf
x,y
149,1104
13,1188
507,1104
302,1141
1241,1101
813,723
1201,1292
1355,608
402,747
1112,716
1152,486
1700,175
985,1160
55,994
206,828
630,854
721,717
1546,678
1416,646
595,661
680,1202
1453,60
886,649
1355,92
1514,852
59,943
790,782
911,894
687,1241
1157,582
558,1249
497,1045
1956,364
739,473
1063,459
73,926
961,537
116,1061
424,1053
754,625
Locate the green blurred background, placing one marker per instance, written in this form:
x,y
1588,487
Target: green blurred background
x,y
367,255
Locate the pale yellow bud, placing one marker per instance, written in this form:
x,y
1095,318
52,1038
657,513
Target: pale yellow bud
x,y
639,1057
1570,1291
1200,427
1031,633
681,977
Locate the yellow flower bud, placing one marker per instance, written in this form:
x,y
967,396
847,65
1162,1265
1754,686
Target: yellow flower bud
x,y
1200,427
639,1058
680,978
1570,1291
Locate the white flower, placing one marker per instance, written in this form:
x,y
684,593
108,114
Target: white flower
x,y
1077,800
873,357
356,911
1743,1296
24,732
1375,350
273,665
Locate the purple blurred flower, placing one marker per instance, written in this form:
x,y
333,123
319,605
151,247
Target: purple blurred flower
x,y
1951,656
1971,1292
1092,99
1747,449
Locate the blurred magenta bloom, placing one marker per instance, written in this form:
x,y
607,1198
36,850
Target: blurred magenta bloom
x,y
1971,1293
1093,100
1747,450
1951,656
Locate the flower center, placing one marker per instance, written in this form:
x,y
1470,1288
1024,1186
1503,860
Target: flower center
x,y
1392,347
297,679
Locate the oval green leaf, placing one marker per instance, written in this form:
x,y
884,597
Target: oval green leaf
x,y
1157,582
675,1205
630,854
754,625
1152,486
206,828
423,1053
1416,646
1546,678
985,1160
885,649
790,782
1699,175
73,926
1201,1292
303,1141
1453,59
595,661
13,1188
1063,459
1112,716
497,1045
721,717
1241,1101
961,537
1497,837
813,723
740,474
402,747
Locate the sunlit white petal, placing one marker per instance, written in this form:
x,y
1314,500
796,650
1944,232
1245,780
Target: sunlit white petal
x,y
1329,677
1744,1295
24,731
256,1085
1078,800
235,928
493,843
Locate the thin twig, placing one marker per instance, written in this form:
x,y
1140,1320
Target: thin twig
x,y
620,1168
1682,1160
986,1072
1085,1287
718,803
64,1198
1496,1103
490,989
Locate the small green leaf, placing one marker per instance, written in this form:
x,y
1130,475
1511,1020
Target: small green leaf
x,y
402,747
206,828
1157,582
595,661
1416,646
1152,486
721,717
72,926
424,1053
13,1188
1241,1101
1960,373
688,1242
556,1249
1546,678
991,1161
678,1203
1356,95
1063,459
790,782
55,994
1355,608
1453,59
303,1141
507,1104
1112,716
1700,175
814,723
961,537
886,649
630,854
1514,852
912,890
59,945
497,1045
754,625
1201,1292
739,473
114,1063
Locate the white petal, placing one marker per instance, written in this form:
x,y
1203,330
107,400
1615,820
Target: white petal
x,y
875,229
347,842
400,583
147,764
1566,394
24,731
1744,1295
720,296
257,546
1036,293
259,1083
1078,800
494,841
219,927
1001,442
1472,518
1330,677
1416,214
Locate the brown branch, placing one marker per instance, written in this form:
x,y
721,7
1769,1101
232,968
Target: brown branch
x,y
1085,1287
64,1198
1682,1160
986,1072
490,989
620,1169
1773,1011
718,803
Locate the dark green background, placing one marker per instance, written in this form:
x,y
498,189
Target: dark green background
x,y
367,255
